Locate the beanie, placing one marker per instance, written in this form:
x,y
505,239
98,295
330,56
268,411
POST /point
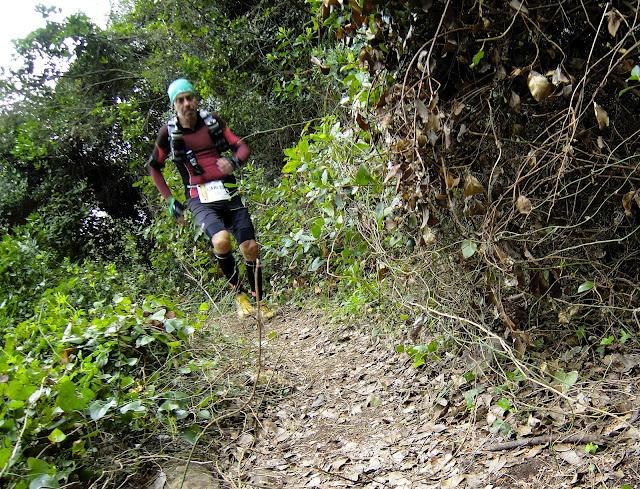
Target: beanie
x,y
181,85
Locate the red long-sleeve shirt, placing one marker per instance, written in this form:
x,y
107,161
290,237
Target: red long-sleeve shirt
x,y
199,141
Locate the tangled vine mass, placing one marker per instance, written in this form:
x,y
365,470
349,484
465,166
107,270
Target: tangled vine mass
x,y
514,129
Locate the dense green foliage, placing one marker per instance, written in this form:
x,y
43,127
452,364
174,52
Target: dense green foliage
x,y
402,163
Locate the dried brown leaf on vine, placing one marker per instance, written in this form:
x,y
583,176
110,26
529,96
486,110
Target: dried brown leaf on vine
x,y
601,116
362,123
383,271
401,145
539,86
614,22
514,102
393,171
421,138
627,201
519,6
523,205
447,136
324,69
327,7
474,208
463,130
357,13
502,256
472,186
428,236
451,180
559,78
564,316
458,107
423,112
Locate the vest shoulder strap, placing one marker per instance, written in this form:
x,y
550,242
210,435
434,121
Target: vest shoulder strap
x,y
214,126
215,131
176,143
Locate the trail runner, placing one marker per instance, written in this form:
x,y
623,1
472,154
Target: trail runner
x,y
195,141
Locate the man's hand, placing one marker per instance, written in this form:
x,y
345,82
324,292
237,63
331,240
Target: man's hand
x,y
225,166
176,209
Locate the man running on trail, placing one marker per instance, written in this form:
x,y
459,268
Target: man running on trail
x,y
195,141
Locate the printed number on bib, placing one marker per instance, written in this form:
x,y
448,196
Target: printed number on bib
x,y
213,192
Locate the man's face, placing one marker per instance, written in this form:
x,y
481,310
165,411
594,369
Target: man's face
x,y
185,104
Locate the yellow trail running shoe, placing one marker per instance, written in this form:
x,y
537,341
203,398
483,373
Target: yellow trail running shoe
x,y
244,306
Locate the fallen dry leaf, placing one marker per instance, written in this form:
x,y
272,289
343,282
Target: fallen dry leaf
x,y
523,205
571,457
601,116
614,22
539,86
452,482
472,186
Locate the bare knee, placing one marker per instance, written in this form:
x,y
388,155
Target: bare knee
x,y
249,249
221,242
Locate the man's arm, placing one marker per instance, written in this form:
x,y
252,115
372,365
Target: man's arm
x,y
157,161
240,150
155,166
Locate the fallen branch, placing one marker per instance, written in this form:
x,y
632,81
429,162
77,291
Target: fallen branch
x,y
544,439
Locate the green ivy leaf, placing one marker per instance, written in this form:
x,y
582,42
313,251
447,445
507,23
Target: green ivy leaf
x,y
291,166
477,58
591,448
607,340
469,376
624,336
158,315
37,466
505,404
585,287
191,433
500,425
635,74
363,177
316,228
204,414
135,406
566,379
57,436
470,397
171,325
144,340
69,399
316,263
469,249
44,481
98,409
5,455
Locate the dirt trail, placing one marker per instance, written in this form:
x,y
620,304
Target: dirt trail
x,y
346,410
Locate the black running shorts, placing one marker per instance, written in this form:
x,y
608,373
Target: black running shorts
x,y
230,215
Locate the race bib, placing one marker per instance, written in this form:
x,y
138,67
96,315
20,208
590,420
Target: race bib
x,y
213,192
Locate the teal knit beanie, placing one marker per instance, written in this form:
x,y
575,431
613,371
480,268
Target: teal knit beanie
x,y
179,86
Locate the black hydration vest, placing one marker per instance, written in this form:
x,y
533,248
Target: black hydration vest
x,y
179,151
